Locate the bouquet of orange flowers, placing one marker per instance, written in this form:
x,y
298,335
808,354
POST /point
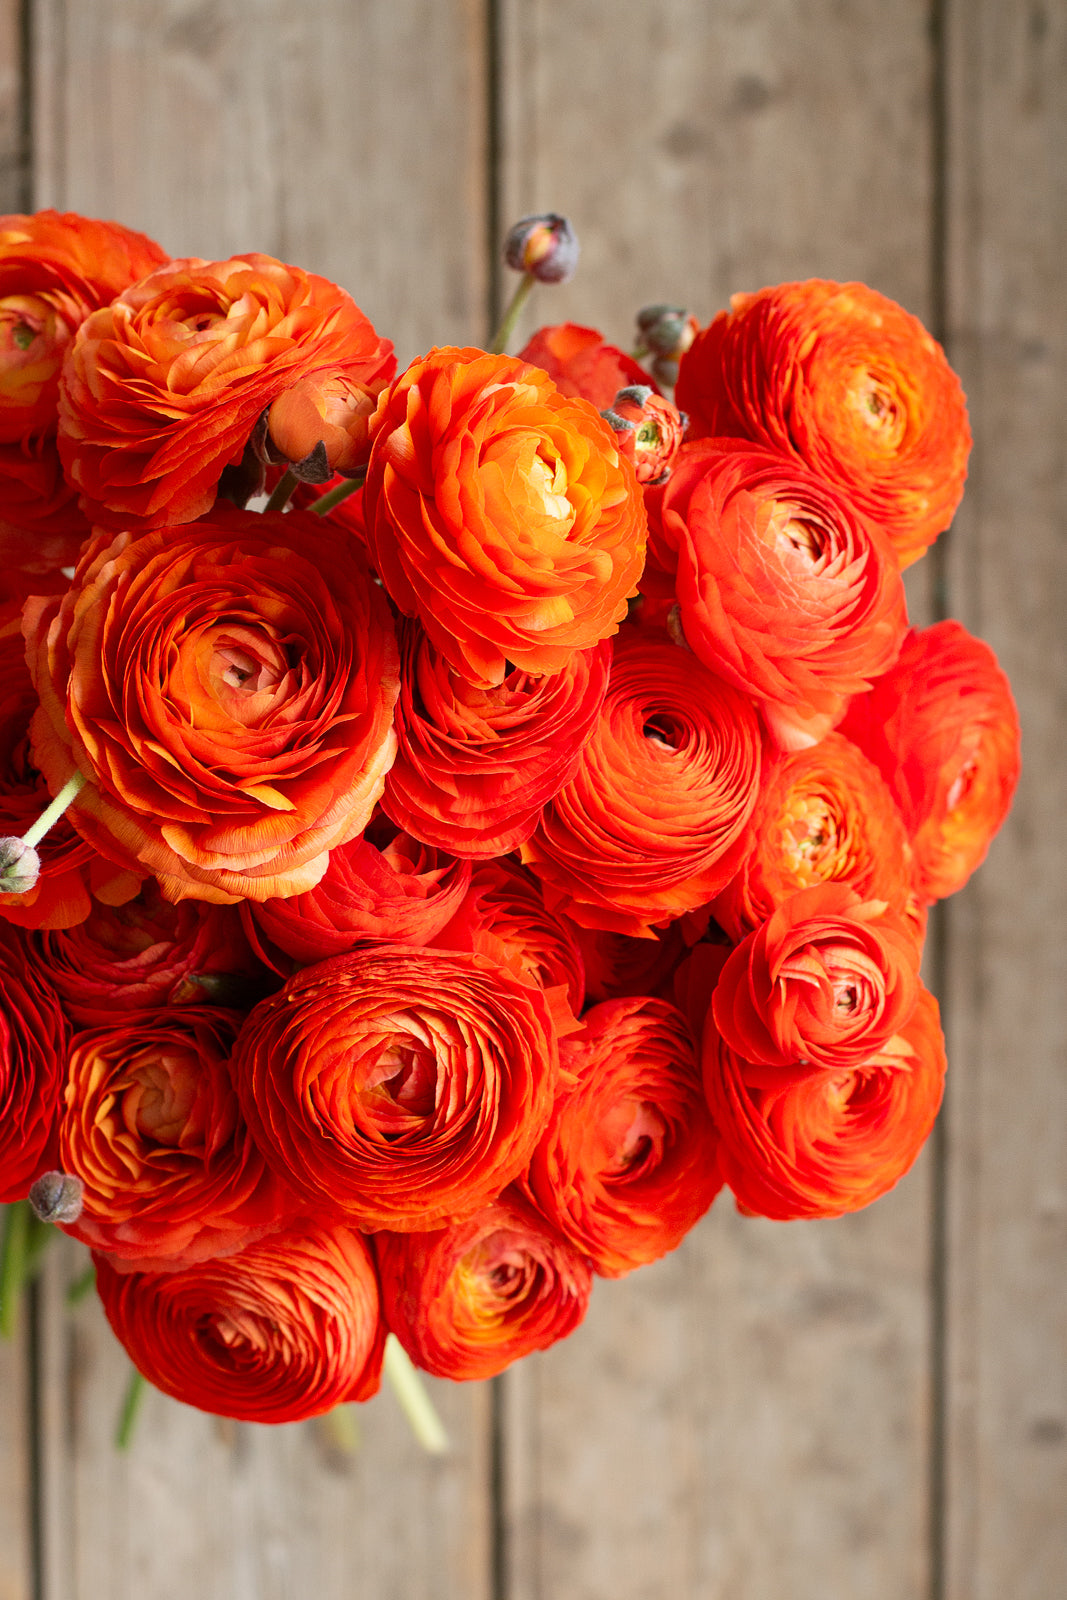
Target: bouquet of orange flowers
x,y
455,872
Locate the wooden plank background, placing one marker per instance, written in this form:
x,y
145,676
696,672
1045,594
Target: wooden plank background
x,y
872,1409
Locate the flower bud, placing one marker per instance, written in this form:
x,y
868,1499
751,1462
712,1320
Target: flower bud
x,y
649,431
57,1197
543,246
20,866
667,330
321,425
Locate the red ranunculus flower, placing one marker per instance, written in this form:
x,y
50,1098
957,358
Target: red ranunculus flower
x,y
500,513
475,766
287,1329
399,1087
162,388
467,1300
825,981
629,1161
852,384
818,1142
34,1035
227,688
385,885
943,730
153,1129
825,815
782,588
146,953
653,822
55,268
582,364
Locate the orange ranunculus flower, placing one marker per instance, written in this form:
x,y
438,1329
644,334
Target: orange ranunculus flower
x,y
782,588
629,1161
822,1142
147,953
474,766
582,364
826,980
653,822
153,1129
55,269
287,1329
943,729
329,415
504,917
399,1087
227,688
851,383
649,431
161,389
467,1300
384,885
825,815
34,1036
500,512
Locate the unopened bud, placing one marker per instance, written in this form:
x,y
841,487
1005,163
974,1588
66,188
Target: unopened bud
x,y
649,431
667,330
57,1197
20,866
544,246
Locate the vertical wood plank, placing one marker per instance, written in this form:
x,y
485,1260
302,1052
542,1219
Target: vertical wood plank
x,y
350,138
1007,1305
749,1418
347,137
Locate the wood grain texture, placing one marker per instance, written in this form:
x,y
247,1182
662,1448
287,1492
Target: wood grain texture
x,y
16,1534
1007,1306
750,1418
347,137
350,139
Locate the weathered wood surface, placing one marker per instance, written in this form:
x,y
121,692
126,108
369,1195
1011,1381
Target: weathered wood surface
x,y
1006,1310
866,1410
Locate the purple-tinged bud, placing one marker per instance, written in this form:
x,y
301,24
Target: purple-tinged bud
x,y
57,1197
667,330
20,866
544,246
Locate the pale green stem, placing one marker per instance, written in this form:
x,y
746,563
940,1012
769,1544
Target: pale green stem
x,y
342,1429
52,813
339,492
82,1285
415,1403
282,492
499,342
13,1264
131,1405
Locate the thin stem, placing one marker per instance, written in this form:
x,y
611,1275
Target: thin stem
x,y
52,813
499,342
414,1401
339,492
282,492
131,1405
342,1429
13,1264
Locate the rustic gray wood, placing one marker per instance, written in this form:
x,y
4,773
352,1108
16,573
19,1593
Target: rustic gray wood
x,y
750,1418
16,1542
350,139
1007,1304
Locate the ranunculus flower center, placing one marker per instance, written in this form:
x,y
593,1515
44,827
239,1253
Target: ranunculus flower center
x,y
162,1097
632,1136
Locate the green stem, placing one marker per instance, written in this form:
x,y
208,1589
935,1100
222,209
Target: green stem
x,y
339,492
499,342
131,1405
13,1264
415,1403
282,492
52,813
342,1429
82,1285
